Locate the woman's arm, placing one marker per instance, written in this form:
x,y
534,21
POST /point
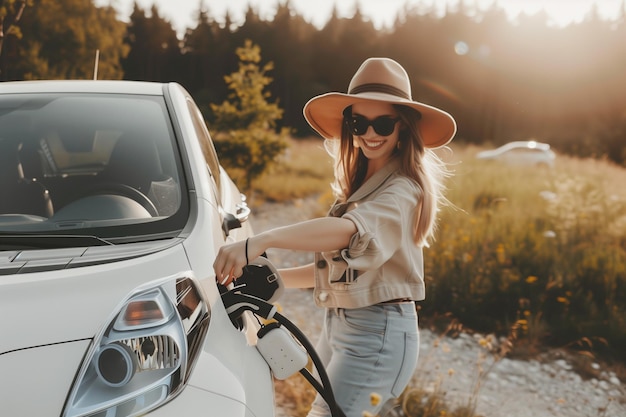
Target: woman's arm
x,y
317,235
298,277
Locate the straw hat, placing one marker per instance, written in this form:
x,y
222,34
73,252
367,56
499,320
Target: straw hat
x,y
378,79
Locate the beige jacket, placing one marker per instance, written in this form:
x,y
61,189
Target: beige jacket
x,y
382,262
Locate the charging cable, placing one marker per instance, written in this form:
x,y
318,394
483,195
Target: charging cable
x,y
278,347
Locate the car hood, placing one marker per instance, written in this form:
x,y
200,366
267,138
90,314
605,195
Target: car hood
x,y
70,304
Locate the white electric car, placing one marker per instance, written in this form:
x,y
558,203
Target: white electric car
x,y
112,207
521,153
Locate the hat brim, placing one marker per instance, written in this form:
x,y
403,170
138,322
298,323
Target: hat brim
x,y
325,114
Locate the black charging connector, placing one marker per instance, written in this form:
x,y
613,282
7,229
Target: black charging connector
x,y
283,346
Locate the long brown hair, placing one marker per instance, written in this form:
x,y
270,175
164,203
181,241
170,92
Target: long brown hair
x,y
417,162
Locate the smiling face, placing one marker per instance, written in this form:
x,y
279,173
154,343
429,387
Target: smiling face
x,y
376,147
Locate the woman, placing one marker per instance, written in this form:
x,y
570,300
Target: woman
x,y
368,268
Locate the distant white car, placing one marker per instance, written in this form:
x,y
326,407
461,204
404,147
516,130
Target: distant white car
x,y
525,153
113,205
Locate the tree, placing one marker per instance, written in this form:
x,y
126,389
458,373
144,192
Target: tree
x,y
206,58
247,140
10,14
154,48
62,40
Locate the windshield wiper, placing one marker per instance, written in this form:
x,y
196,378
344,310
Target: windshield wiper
x,y
48,241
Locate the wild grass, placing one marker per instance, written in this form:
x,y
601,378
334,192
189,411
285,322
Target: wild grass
x,y
544,248
305,170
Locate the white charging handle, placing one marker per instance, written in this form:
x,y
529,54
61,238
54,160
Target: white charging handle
x,y
284,354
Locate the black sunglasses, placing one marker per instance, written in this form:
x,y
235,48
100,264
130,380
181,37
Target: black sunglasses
x,y
383,125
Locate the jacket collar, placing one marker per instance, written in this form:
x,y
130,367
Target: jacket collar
x,y
376,180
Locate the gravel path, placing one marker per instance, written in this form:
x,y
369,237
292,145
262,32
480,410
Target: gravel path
x,y
461,366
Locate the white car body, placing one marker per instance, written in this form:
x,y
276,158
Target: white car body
x,y
67,308
521,153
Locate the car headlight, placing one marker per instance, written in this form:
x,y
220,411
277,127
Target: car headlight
x,y
143,357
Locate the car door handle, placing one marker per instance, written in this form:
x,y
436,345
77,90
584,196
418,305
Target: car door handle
x,y
234,221
243,212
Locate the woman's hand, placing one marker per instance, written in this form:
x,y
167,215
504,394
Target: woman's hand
x,y
232,258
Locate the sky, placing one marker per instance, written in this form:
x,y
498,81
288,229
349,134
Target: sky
x,y
183,13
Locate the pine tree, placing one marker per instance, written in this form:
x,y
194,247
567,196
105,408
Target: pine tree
x,y
247,140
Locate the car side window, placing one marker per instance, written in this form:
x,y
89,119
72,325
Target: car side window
x,y
208,150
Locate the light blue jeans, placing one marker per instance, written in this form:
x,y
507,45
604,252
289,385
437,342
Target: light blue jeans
x,y
367,350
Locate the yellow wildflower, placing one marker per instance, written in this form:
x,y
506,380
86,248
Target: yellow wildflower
x,y
375,399
500,254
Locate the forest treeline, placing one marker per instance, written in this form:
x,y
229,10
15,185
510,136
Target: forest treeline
x,y
502,80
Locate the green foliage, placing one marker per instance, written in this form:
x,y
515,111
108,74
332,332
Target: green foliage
x,y
543,249
246,139
60,40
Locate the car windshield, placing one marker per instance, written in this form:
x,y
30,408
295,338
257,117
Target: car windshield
x,y
102,165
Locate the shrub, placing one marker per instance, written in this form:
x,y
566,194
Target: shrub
x,y
246,139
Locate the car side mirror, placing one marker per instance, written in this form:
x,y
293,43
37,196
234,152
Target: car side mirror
x,y
234,221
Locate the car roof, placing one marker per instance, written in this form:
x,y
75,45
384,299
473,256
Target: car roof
x,y
82,86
